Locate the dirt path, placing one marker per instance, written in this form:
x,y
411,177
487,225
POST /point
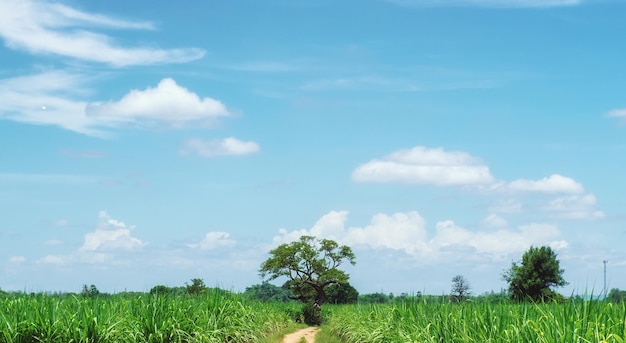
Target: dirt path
x,y
308,334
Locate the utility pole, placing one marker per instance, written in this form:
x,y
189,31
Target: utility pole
x,y
605,261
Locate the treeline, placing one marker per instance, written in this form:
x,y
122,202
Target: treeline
x,y
336,294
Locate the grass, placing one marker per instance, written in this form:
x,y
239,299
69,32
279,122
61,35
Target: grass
x,y
220,316
216,316
582,321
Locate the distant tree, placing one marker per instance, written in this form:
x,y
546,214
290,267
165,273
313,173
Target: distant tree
x,y
374,298
160,290
493,297
309,264
267,292
342,293
197,286
460,288
616,296
89,291
533,278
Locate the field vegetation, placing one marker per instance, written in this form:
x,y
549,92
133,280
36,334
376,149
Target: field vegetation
x,y
213,316
422,320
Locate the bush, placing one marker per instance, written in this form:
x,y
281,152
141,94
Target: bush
x,y
312,314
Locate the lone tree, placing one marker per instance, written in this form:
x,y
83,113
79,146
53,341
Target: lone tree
x,y
309,264
533,278
197,286
460,288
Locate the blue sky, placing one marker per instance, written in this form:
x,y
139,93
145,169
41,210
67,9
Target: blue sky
x,y
149,143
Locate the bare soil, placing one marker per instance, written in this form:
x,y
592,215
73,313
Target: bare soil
x,y
308,334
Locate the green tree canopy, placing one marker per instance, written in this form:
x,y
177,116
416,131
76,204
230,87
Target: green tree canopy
x,y
533,278
267,292
616,295
197,286
309,264
341,293
89,291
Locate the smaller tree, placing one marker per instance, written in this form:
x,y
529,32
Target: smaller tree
x,y
197,286
160,290
89,291
533,278
460,288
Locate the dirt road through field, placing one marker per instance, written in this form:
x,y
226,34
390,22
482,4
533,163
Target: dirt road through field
x,y
308,334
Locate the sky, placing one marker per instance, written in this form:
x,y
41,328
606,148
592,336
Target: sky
x,y
147,143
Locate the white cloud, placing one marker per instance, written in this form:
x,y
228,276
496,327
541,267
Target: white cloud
x,y
167,102
110,235
575,207
60,92
494,220
425,166
487,3
407,232
214,240
63,93
553,184
46,28
219,147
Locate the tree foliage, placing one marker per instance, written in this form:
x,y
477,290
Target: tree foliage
x,y
534,277
460,288
197,287
160,290
617,296
89,291
267,292
309,264
341,293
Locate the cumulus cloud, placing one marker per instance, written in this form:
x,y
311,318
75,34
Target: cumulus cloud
x,y
111,235
214,240
41,27
58,98
107,244
487,3
219,147
407,232
167,102
422,165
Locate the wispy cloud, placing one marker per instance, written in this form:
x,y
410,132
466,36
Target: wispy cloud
x,y
40,27
219,147
487,3
620,114
214,240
